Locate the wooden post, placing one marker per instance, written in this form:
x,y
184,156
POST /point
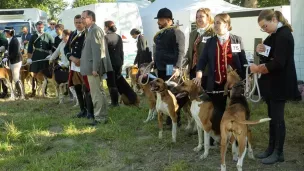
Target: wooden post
x,y
255,57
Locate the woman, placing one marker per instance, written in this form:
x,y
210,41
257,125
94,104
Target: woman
x,y
61,71
15,59
198,39
220,51
277,68
115,48
143,54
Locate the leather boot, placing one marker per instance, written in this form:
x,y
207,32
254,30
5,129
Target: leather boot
x,y
20,89
88,103
277,155
79,94
271,143
114,97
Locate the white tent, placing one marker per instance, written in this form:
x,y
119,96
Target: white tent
x,y
184,12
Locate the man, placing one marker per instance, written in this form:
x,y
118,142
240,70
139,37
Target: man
x,y
39,47
94,63
51,29
3,47
169,50
25,38
59,29
73,52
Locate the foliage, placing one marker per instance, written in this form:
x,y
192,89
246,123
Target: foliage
x,y
261,3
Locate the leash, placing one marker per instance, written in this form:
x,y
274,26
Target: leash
x,y
35,61
145,72
249,93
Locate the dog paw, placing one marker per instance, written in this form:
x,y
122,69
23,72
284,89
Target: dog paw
x,y
239,167
250,155
223,167
235,158
203,156
198,148
160,135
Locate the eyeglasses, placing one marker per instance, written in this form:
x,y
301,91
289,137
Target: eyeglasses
x,y
264,27
52,24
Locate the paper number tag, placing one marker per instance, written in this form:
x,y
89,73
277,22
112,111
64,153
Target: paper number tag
x,y
267,51
169,70
236,47
204,40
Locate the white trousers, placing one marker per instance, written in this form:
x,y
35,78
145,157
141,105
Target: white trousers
x,y
15,69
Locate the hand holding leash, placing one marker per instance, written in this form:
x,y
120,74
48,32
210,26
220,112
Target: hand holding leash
x,y
4,60
28,61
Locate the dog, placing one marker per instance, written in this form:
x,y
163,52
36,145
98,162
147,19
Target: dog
x,y
234,126
202,110
133,71
6,76
166,103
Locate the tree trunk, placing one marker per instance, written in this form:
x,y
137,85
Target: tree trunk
x,y
249,3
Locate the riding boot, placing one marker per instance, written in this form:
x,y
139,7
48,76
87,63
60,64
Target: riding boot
x,y
20,89
271,143
88,103
34,81
277,155
114,96
4,90
79,94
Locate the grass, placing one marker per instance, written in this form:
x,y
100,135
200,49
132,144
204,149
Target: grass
x,y
38,134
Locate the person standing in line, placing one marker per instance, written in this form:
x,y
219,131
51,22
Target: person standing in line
x,y
95,62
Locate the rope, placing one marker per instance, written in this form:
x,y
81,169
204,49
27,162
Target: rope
x,y
145,72
249,93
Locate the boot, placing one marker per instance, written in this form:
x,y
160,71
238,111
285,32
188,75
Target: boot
x,y
79,94
271,143
33,87
46,87
4,90
88,103
277,155
20,89
114,97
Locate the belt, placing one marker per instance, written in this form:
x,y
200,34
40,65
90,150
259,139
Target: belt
x,y
42,50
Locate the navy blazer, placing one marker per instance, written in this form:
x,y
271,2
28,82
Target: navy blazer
x,y
209,55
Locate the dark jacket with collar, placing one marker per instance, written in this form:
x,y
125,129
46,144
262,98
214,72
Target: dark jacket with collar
x,y
143,53
209,55
14,54
281,81
74,45
169,47
200,47
115,48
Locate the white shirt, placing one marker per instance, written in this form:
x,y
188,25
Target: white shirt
x,y
60,51
223,38
201,31
9,40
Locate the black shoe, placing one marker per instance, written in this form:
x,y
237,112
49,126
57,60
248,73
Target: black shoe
x,y
90,115
276,156
264,154
81,114
113,105
3,95
95,122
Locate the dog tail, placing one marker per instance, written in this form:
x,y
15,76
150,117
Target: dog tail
x,y
245,122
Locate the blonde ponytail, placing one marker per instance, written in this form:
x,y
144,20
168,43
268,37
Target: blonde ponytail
x,y
283,20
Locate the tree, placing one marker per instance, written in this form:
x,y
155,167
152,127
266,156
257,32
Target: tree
x,y
54,7
259,3
152,1
79,3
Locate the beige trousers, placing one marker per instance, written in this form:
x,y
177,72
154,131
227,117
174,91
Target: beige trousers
x,y
98,98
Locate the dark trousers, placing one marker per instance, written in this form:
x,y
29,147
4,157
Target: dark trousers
x,y
219,104
277,129
84,99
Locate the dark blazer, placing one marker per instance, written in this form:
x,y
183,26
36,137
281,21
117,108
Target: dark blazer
x,y
14,54
57,41
143,53
74,45
115,48
209,55
281,81
189,55
26,37
3,42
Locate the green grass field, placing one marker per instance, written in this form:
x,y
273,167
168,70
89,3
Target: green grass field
x,y
38,134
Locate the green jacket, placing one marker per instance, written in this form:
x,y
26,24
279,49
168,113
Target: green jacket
x,y
189,55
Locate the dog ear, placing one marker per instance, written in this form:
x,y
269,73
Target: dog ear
x,y
229,68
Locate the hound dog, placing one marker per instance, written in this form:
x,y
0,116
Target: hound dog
x,y
202,111
234,127
6,76
166,103
133,71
